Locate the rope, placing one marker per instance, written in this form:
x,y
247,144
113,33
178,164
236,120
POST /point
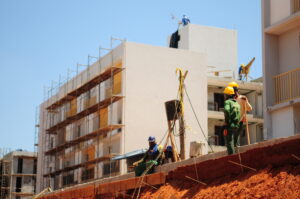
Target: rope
x,y
206,139
151,165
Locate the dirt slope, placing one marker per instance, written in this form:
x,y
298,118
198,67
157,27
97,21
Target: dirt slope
x,y
281,182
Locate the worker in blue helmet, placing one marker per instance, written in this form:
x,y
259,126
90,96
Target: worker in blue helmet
x,y
168,155
150,159
185,20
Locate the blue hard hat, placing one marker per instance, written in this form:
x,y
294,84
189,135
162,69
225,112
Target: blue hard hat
x,y
151,139
169,148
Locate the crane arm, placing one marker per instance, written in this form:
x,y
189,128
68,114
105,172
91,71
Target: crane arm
x,y
250,64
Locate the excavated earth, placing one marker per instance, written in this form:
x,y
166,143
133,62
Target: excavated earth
x,y
277,175
279,182
271,170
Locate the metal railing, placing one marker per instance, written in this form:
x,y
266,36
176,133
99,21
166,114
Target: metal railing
x,y
287,86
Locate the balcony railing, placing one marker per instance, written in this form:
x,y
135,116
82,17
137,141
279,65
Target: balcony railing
x,y
287,86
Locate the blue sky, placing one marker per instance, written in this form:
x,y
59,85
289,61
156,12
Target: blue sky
x,y
41,39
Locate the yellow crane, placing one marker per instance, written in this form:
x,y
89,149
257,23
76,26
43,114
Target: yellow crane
x,y
244,70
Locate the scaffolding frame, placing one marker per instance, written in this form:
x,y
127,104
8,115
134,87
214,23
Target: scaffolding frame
x,y
74,145
5,189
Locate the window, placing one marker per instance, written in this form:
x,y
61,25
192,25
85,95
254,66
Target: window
x,y
295,6
18,184
68,179
112,167
20,165
219,137
87,174
51,142
218,101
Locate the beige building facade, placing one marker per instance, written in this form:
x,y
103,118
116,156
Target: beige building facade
x,y
281,67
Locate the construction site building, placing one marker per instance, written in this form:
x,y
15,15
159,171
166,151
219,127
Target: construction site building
x,y
281,67
112,108
18,175
117,102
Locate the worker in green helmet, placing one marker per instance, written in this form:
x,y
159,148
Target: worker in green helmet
x,y
232,119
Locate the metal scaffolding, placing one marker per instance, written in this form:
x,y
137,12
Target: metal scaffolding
x,y
64,112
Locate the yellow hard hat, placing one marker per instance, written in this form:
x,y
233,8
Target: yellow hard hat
x,y
243,65
229,90
233,84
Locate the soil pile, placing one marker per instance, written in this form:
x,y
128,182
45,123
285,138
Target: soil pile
x,y
270,182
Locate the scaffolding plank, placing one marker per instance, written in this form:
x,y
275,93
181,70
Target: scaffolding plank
x,y
85,87
69,168
83,138
92,109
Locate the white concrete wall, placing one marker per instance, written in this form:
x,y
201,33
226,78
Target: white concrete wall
x,y
297,118
280,54
283,122
220,46
289,50
279,10
150,81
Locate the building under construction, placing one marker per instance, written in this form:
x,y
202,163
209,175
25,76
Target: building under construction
x,y
112,106
18,175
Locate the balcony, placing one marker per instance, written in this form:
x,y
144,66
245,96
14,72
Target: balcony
x,y
287,86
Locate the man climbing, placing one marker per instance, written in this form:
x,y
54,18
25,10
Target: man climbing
x,y
151,158
232,119
245,107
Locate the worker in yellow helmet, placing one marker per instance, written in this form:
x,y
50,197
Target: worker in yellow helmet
x,y
245,107
232,118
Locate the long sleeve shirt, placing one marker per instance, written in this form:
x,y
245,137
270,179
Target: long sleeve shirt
x,y
232,113
245,106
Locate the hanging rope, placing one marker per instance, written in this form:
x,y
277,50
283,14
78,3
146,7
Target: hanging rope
x,y
202,131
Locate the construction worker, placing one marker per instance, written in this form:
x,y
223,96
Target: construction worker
x,y
232,118
245,107
168,155
150,159
241,69
185,20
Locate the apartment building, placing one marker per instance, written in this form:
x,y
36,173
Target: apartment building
x,y
112,108
18,175
281,67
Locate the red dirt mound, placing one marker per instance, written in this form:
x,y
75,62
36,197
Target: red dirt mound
x,y
281,182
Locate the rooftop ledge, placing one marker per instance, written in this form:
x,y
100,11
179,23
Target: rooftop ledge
x,y
284,25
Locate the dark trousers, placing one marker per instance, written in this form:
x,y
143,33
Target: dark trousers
x,y
230,140
238,135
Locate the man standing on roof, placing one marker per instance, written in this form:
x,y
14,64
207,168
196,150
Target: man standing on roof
x,y
232,119
185,20
245,107
150,160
